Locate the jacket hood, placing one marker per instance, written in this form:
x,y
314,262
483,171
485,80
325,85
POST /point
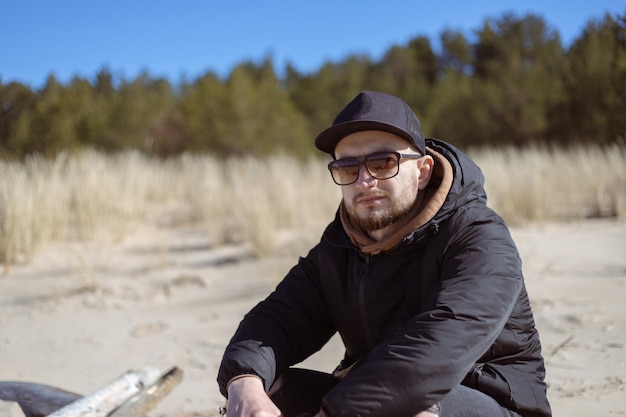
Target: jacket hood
x,y
456,181
468,184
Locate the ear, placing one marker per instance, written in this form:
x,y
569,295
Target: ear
x,y
425,167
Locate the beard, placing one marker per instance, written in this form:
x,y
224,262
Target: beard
x,y
380,219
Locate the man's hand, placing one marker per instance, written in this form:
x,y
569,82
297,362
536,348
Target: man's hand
x,y
247,398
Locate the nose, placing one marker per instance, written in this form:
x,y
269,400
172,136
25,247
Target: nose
x,y
365,179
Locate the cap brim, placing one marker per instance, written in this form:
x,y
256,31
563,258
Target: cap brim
x,y
327,140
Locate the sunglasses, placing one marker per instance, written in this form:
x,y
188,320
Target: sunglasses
x,y
380,165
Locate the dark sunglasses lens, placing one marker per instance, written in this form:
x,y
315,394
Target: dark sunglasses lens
x,y
384,165
345,171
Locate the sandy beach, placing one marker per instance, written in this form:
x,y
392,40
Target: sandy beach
x,y
80,314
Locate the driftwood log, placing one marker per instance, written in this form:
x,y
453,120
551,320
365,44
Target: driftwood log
x,y
132,394
36,400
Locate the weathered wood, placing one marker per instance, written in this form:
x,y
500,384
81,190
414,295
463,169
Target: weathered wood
x,y
132,394
148,398
106,399
36,400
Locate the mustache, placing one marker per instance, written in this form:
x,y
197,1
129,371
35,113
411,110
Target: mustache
x,y
362,196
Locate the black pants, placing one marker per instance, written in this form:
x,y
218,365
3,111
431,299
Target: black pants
x,y
301,392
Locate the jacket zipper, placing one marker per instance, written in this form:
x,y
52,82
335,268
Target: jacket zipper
x,y
362,311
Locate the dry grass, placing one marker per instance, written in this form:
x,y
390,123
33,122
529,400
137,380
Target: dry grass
x,y
91,196
539,184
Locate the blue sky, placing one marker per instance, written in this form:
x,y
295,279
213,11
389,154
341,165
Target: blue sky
x,y
190,37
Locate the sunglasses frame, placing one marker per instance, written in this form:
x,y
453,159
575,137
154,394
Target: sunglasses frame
x,y
363,160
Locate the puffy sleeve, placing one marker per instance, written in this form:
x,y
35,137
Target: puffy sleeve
x,y
288,326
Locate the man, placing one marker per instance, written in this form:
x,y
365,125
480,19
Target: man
x,y
420,278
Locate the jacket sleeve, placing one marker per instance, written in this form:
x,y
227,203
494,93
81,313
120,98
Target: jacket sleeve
x,y
287,327
427,355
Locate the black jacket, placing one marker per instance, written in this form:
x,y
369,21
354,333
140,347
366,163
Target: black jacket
x,y
447,306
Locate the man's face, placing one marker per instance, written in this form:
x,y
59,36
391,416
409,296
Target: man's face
x,y
374,204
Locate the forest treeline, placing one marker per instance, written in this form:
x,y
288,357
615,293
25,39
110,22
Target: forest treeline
x,y
512,83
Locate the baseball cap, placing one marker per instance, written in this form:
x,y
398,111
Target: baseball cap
x,y
371,110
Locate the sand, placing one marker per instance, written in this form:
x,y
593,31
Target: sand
x,y
80,314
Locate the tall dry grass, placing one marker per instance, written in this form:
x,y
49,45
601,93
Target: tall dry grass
x,y
91,195
540,184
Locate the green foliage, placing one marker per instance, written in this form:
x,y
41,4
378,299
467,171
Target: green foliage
x,y
516,79
512,82
16,102
250,113
595,84
320,96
